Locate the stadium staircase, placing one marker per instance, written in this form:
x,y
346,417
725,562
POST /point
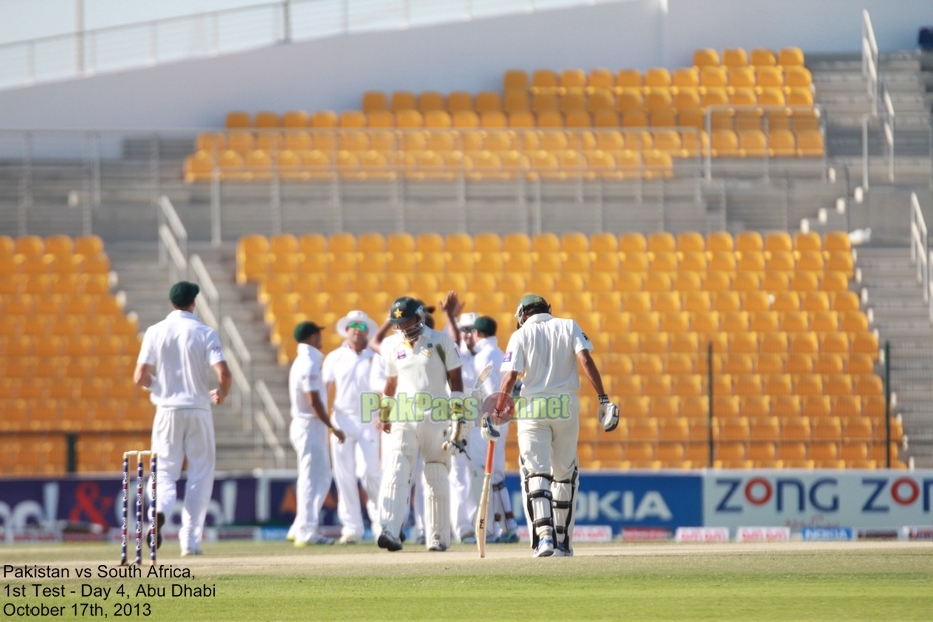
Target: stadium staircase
x,y
145,284
898,313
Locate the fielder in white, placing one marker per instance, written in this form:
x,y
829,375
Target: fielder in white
x,y
420,364
463,504
547,349
174,363
308,434
487,359
346,371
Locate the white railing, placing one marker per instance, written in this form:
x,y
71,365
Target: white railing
x,y
178,266
766,157
150,43
210,309
887,125
920,253
271,428
870,69
241,368
168,216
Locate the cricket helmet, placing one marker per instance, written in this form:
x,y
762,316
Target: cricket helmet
x,y
404,309
531,304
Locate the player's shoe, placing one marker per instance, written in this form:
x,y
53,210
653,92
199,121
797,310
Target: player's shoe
x,y
545,547
290,537
560,551
316,539
510,537
191,552
387,541
349,538
160,522
438,547
468,538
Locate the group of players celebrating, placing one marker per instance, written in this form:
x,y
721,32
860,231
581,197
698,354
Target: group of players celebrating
x,y
434,372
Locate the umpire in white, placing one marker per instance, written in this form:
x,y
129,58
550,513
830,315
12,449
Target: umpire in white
x,y
174,363
546,350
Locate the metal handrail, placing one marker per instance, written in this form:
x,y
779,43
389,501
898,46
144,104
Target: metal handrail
x,y
176,229
870,68
211,311
707,148
179,263
290,20
241,367
262,418
920,253
269,402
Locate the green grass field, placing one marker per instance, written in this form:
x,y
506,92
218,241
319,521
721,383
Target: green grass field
x,y
275,581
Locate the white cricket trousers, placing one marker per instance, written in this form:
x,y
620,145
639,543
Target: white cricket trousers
x,y
401,456
309,438
463,503
178,433
357,458
550,445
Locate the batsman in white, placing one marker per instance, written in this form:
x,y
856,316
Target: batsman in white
x,y
346,372
487,359
174,363
419,360
547,349
308,434
462,500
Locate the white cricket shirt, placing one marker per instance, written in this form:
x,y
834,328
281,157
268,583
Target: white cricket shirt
x,y
418,366
182,351
349,372
486,353
306,376
377,374
545,349
466,370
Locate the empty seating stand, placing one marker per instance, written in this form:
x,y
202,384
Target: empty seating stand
x,y
794,359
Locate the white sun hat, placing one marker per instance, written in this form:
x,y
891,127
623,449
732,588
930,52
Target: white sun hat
x,y
353,316
466,320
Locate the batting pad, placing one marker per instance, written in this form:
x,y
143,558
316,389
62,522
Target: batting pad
x,y
538,498
564,494
437,503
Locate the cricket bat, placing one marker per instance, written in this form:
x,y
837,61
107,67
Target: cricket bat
x,y
484,503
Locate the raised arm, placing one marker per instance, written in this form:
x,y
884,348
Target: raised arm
x,y
375,342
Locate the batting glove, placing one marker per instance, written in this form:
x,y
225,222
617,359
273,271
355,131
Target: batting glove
x,y
608,413
489,431
385,410
457,432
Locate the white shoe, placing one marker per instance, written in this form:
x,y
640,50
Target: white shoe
x,y
437,546
560,551
545,547
191,552
314,540
349,538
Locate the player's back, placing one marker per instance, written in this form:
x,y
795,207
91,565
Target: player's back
x,y
550,356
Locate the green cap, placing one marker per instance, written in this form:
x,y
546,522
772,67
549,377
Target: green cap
x,y
305,330
183,294
532,299
485,324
